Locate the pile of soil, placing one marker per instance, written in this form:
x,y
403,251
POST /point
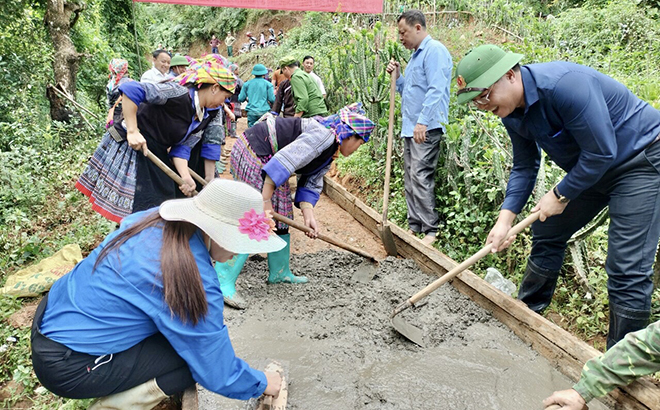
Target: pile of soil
x,y
341,351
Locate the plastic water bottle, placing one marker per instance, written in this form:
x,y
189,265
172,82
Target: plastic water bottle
x,y
495,278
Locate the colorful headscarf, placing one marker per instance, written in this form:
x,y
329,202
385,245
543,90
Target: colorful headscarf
x,y
207,72
218,58
118,68
350,120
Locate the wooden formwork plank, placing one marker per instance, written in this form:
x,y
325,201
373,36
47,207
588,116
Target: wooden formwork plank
x,y
558,346
189,400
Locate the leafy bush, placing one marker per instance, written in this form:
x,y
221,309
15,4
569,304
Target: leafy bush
x,y
24,63
620,37
177,27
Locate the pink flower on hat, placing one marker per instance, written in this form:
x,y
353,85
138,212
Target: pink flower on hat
x,y
256,226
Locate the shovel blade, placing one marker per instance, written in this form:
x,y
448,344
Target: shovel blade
x,y
364,272
410,332
387,238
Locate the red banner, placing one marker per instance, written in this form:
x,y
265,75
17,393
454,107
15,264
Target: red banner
x,y
345,6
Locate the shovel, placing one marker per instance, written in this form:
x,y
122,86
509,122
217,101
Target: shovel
x,y
414,333
365,269
385,231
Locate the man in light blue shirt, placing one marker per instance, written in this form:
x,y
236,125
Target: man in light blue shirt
x,y
424,104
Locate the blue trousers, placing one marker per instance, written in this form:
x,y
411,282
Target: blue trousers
x,y
632,192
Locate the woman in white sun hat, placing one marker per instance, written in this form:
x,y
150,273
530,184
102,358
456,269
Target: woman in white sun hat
x,y
141,317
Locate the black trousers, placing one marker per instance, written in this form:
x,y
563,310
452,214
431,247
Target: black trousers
x,y
76,375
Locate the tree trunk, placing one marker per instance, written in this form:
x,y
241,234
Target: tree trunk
x,y
60,17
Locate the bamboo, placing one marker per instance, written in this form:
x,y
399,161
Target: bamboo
x,y
75,103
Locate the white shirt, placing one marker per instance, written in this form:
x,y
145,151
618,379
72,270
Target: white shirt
x,y
318,82
155,76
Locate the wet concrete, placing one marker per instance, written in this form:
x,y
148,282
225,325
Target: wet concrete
x,y
342,352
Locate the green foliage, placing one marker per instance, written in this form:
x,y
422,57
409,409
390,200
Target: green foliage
x,y
92,77
24,62
358,75
317,32
178,27
620,37
116,20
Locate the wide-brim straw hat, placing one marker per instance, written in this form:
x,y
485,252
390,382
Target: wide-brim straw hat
x,y
481,68
218,210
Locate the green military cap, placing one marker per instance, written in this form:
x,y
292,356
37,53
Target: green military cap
x,y
287,61
481,68
178,60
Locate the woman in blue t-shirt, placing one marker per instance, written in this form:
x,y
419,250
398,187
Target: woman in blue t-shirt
x,y
141,318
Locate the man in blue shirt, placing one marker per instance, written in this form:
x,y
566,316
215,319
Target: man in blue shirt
x,y
604,137
424,104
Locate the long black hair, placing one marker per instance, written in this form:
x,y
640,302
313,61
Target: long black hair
x,y
183,289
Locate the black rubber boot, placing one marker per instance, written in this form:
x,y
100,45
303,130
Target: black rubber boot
x,y
624,321
537,287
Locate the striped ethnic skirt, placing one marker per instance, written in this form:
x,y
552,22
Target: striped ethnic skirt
x,y
246,166
109,179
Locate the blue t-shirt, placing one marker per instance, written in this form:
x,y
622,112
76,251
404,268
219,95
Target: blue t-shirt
x,y
587,123
121,303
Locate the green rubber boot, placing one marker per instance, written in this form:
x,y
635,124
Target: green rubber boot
x,y
278,265
227,274
220,166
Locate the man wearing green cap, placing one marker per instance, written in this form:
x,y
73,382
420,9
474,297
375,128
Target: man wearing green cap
x,y
178,64
306,94
424,106
260,94
604,137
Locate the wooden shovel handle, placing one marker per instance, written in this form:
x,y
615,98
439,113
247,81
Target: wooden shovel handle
x,y
472,260
276,216
390,137
305,228
160,164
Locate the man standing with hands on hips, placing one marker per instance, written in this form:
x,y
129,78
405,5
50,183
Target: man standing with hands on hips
x,y
424,92
604,137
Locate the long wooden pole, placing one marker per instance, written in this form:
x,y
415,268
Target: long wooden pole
x,y
519,227
390,138
333,241
276,216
